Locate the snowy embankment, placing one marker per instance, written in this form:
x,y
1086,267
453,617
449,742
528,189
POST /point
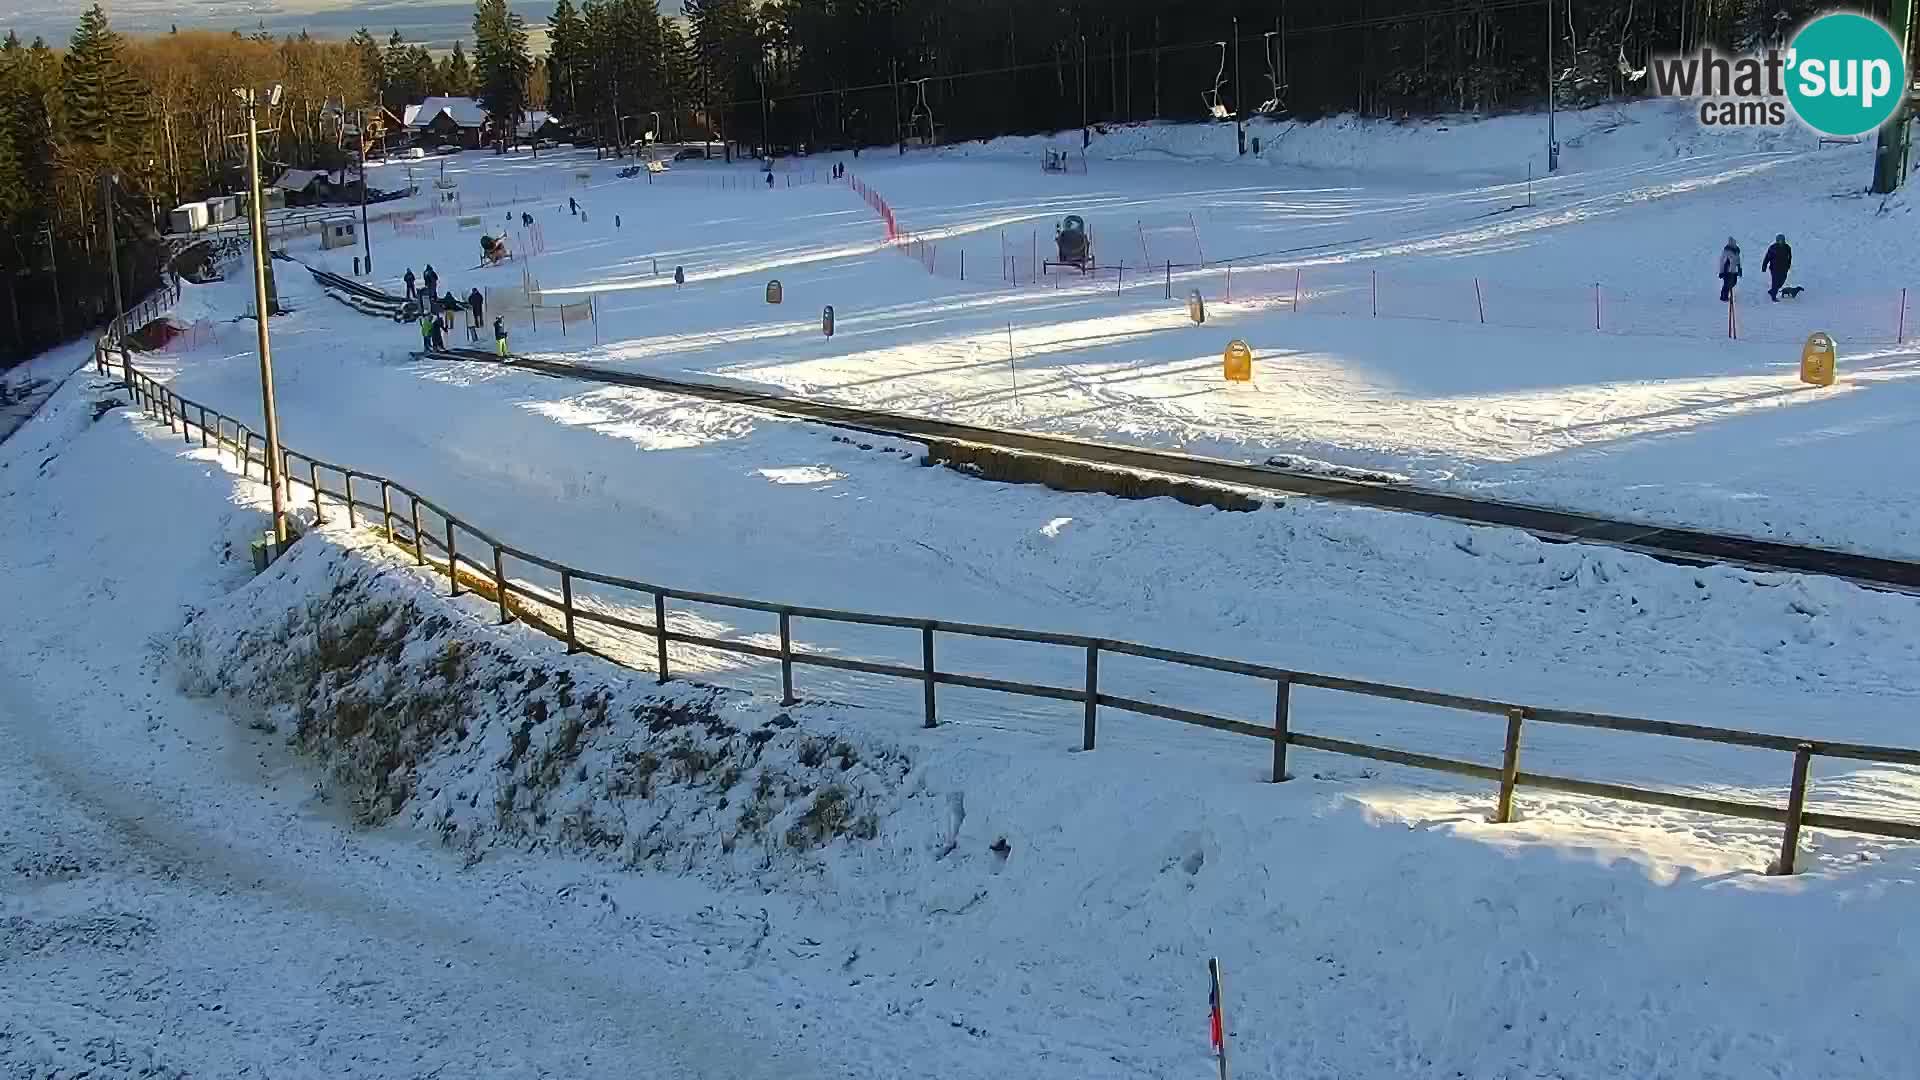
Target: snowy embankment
x,y
995,901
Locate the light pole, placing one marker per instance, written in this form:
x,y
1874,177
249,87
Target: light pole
x,y
1239,92
366,235
1553,143
107,182
275,479
1086,132
654,137
53,267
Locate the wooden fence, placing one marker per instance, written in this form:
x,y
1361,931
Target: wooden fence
x,y
474,561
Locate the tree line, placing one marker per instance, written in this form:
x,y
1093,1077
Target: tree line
x,y
157,114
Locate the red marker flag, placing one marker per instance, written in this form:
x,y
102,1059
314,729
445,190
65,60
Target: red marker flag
x,y
1217,1025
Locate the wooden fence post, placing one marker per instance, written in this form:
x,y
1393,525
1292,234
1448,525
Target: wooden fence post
x,y
1796,809
926,662
566,608
453,564
1509,767
352,521
786,660
386,509
500,585
1093,696
660,631
313,477
1282,724
419,553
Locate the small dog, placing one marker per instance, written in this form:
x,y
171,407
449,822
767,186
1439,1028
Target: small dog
x,y
1791,291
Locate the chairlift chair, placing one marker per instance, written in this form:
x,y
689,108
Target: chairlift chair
x,y
922,112
1214,108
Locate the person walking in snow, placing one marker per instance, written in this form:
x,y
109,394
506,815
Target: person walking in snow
x,y
409,280
1777,261
1729,269
476,305
500,337
432,281
573,206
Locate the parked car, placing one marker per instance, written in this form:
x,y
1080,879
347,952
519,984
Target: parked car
x,y
691,153
544,144
415,153
447,148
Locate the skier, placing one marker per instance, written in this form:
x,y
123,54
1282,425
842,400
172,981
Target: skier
x,y
409,280
429,325
1729,269
769,176
432,281
573,206
500,337
526,220
1778,260
475,304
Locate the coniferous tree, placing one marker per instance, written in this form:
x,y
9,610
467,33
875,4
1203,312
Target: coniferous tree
x,y
104,101
502,63
565,51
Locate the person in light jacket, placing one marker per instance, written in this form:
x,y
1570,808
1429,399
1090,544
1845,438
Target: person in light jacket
x,y
1777,261
1729,269
500,337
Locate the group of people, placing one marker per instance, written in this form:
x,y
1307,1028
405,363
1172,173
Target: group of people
x,y
436,312
1775,263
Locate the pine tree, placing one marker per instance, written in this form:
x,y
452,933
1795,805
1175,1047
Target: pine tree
x,y
502,63
367,52
456,76
104,100
564,55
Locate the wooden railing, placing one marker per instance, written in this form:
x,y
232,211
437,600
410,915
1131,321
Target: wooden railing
x,y
475,561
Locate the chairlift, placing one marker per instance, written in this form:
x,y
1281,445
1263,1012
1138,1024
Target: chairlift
x,y
1214,109
1276,102
921,109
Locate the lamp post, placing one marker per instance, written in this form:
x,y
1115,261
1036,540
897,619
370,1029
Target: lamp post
x,y
1553,143
1239,92
366,234
275,479
1086,132
107,183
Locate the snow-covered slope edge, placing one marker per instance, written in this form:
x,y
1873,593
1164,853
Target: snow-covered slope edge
x,y
490,739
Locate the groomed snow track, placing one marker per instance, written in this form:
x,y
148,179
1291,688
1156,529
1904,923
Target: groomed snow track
x,y
1689,547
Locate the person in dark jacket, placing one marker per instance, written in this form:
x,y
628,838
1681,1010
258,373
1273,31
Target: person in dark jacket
x,y
1729,269
409,280
432,282
476,305
1777,261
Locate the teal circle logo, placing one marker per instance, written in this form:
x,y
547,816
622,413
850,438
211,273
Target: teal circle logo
x,y
1846,74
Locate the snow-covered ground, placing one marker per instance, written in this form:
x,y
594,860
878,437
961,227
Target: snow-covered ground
x,y
190,896
1656,416
185,897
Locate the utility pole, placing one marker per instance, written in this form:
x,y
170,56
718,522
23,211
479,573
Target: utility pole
x,y
53,266
107,181
277,481
1553,141
893,85
1086,133
366,234
1239,91
1896,136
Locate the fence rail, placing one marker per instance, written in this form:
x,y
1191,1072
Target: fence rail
x,y
475,561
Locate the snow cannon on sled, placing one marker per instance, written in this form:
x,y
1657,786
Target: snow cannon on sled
x,y
493,250
1074,244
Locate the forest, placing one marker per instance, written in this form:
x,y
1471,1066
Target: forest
x,y
133,125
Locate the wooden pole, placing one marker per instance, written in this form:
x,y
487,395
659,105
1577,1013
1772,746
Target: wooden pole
x,y
786,660
1282,707
1479,301
566,608
1796,809
926,659
1093,696
660,632
500,586
1509,767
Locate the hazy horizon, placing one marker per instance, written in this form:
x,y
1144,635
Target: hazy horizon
x,y
436,24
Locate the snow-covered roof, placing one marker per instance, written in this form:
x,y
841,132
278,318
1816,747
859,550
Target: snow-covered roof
x,y
533,121
464,111
300,179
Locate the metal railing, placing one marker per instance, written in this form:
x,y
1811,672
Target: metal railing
x,y
438,538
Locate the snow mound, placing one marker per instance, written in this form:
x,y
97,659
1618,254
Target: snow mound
x,y
419,715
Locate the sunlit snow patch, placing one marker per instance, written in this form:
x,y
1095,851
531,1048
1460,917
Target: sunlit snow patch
x,y
802,474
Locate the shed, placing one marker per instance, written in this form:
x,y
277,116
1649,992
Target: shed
x,y
340,232
187,218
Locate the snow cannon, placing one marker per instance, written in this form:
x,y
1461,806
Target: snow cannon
x,y
1071,238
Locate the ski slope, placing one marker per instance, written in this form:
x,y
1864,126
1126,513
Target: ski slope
x,y
1372,923
1657,416
186,897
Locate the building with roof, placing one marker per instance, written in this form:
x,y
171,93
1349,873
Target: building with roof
x,y
458,120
